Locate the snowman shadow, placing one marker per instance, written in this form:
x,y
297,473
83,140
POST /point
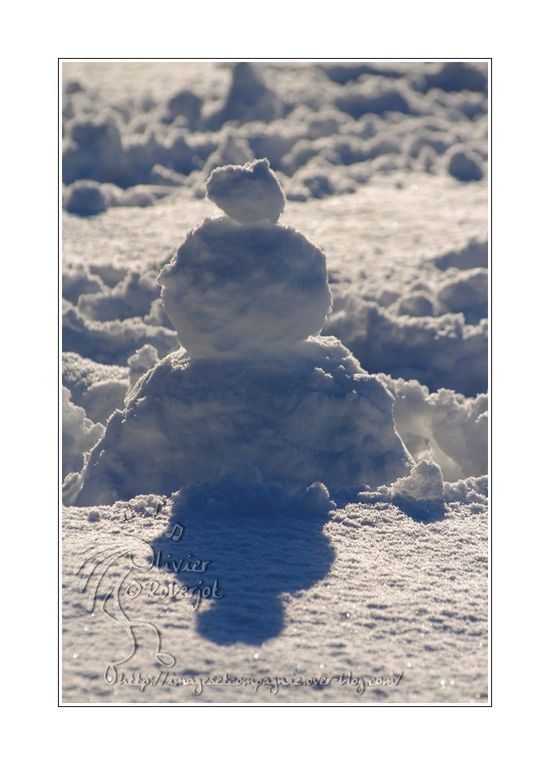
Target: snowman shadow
x,y
257,555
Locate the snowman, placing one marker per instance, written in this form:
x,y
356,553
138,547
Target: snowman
x,y
254,383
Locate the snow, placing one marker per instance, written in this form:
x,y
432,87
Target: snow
x,y
98,388
372,565
248,193
85,198
363,589
447,426
79,434
251,383
465,165
234,290
249,98
141,361
311,415
185,104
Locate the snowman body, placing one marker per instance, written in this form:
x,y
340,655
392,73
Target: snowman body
x,y
254,381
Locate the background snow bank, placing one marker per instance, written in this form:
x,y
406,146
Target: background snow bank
x,y
193,117
79,434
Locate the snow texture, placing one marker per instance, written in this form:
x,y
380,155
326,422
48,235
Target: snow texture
x,y
249,98
233,290
98,388
310,415
364,588
249,194
446,426
361,118
79,434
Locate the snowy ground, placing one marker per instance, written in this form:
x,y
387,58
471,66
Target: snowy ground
x,y
364,588
371,592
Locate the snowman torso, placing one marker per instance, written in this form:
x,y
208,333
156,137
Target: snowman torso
x,y
235,290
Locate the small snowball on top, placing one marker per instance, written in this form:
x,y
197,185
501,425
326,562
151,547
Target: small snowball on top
x,y
248,193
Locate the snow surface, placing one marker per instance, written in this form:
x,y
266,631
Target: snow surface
x,y
364,589
384,170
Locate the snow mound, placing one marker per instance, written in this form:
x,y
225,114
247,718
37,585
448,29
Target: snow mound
x,y
455,76
78,280
186,104
465,165
310,415
93,149
439,351
247,193
249,98
467,293
423,484
141,361
98,388
473,255
112,342
420,494
233,150
444,426
85,198
132,296
80,434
